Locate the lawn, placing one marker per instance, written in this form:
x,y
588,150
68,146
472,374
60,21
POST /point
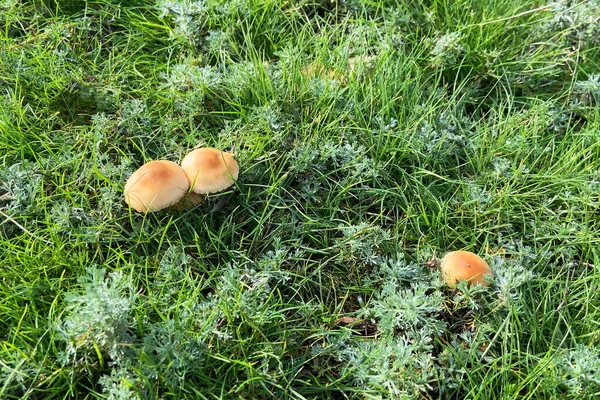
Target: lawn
x,y
372,137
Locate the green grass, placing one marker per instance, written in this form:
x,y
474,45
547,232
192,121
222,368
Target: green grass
x,y
371,137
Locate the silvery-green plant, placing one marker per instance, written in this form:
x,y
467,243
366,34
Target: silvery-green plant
x,y
20,183
325,88
217,41
108,202
512,274
399,360
267,117
187,17
558,120
6,4
588,91
239,78
121,384
171,276
401,310
243,293
577,370
350,162
67,219
305,157
440,137
502,167
134,116
455,360
473,194
98,317
272,260
187,75
171,353
391,366
578,22
397,269
447,50
174,262
16,368
362,243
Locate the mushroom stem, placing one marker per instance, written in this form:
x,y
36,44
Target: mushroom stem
x,y
220,203
190,201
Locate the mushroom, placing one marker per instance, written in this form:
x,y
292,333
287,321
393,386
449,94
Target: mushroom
x,y
319,70
210,170
190,200
156,185
464,265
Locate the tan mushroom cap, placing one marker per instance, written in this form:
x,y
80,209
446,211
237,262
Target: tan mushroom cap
x,y
210,170
156,185
464,265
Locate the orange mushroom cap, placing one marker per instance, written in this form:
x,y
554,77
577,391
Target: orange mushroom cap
x,y
464,265
156,185
210,170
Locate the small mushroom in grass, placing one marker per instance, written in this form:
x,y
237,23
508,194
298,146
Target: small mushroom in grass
x,y
156,185
319,70
464,265
210,170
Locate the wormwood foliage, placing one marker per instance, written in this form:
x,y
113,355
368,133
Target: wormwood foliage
x,y
98,317
372,136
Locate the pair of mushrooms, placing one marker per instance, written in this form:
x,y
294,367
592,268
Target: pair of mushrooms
x,y
160,184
